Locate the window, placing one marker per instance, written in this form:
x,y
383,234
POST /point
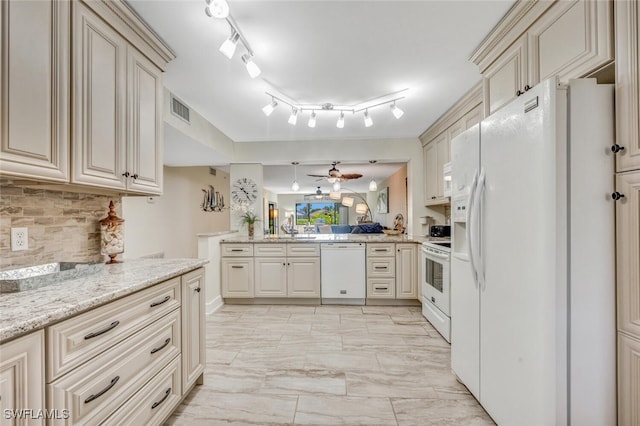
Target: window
x,y
320,213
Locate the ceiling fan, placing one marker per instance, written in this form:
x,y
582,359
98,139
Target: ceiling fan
x,y
334,174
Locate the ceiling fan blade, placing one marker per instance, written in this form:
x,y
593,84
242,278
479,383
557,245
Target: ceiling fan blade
x,y
351,176
320,176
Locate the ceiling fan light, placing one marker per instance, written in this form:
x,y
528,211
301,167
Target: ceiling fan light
x,y
217,9
312,119
368,122
373,186
340,123
293,118
268,109
347,201
228,48
361,208
336,186
397,112
251,66
295,186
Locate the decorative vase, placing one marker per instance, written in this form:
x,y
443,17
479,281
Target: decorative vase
x,y
250,229
112,235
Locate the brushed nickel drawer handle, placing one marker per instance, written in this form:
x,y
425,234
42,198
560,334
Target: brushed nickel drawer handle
x,y
382,288
159,348
379,249
154,304
237,249
237,267
380,267
103,391
166,395
98,333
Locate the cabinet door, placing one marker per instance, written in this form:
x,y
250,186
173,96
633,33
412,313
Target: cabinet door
x,y
144,162
303,277
628,252
628,380
237,277
22,377
270,277
627,18
430,172
571,39
406,271
34,89
193,328
506,76
99,101
443,154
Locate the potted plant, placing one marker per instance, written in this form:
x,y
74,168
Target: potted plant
x,y
250,218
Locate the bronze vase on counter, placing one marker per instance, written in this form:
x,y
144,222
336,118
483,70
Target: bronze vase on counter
x,y
112,235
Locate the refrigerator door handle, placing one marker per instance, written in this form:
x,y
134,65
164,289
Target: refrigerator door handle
x,y
470,234
477,209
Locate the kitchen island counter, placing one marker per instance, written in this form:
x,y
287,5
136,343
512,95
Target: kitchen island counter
x,y
329,238
27,311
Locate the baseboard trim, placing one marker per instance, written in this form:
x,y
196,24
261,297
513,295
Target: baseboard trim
x,y
214,305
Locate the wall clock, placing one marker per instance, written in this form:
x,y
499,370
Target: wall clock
x,y
244,191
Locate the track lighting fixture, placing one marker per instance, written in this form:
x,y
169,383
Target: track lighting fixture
x,y
217,9
397,112
368,122
293,118
228,48
268,109
251,66
295,186
296,108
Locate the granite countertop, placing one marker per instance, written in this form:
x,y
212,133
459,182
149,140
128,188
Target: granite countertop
x,y
26,311
327,238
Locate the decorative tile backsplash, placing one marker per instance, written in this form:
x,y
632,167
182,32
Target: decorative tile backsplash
x,y
62,226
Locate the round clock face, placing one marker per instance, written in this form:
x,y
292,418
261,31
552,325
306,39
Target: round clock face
x,y
244,191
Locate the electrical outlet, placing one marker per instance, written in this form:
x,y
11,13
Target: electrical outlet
x,y
19,239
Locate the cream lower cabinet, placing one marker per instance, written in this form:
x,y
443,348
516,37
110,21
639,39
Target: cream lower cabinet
x,y
381,271
303,277
34,89
270,277
193,328
237,277
628,380
22,380
296,273
406,271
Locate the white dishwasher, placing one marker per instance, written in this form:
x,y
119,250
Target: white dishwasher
x,y
343,273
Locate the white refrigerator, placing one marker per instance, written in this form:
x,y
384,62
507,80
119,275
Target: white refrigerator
x,y
532,268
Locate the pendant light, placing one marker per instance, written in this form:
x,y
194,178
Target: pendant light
x,y
373,186
295,186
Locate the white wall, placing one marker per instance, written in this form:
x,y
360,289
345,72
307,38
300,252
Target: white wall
x,y
251,171
170,223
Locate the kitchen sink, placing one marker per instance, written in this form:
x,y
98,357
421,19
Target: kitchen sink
x,y
33,277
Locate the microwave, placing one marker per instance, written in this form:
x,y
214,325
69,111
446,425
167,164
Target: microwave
x,y
446,179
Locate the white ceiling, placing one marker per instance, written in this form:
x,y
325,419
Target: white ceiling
x,y
343,52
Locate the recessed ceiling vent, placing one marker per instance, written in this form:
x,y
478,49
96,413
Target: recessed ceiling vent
x,y
179,109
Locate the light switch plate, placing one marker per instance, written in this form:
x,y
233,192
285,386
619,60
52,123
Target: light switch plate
x,y
19,239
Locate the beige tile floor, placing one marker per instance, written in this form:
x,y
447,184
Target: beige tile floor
x,y
327,365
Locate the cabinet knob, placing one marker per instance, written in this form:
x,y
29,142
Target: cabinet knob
x,y
615,148
433,198
197,289
527,88
518,93
135,176
616,196
126,174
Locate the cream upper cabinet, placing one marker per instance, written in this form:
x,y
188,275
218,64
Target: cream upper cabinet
x,y
22,378
430,153
572,39
627,19
628,252
34,89
99,102
507,77
117,109
193,328
303,277
473,117
406,271
443,149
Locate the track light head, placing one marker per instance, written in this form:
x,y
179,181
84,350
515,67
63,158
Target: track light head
x,y
340,123
312,122
228,48
368,122
293,118
217,9
252,68
397,112
268,109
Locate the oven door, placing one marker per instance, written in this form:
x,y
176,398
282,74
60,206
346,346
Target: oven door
x,y
435,279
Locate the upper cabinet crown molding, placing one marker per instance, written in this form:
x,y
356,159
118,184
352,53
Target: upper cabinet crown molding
x,y
128,23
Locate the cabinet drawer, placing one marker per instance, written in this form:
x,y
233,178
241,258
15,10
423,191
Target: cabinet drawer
x,y
154,402
78,339
303,249
96,389
270,249
237,250
381,288
381,267
381,249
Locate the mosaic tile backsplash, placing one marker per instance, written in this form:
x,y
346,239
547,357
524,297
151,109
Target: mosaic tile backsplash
x,y
62,226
